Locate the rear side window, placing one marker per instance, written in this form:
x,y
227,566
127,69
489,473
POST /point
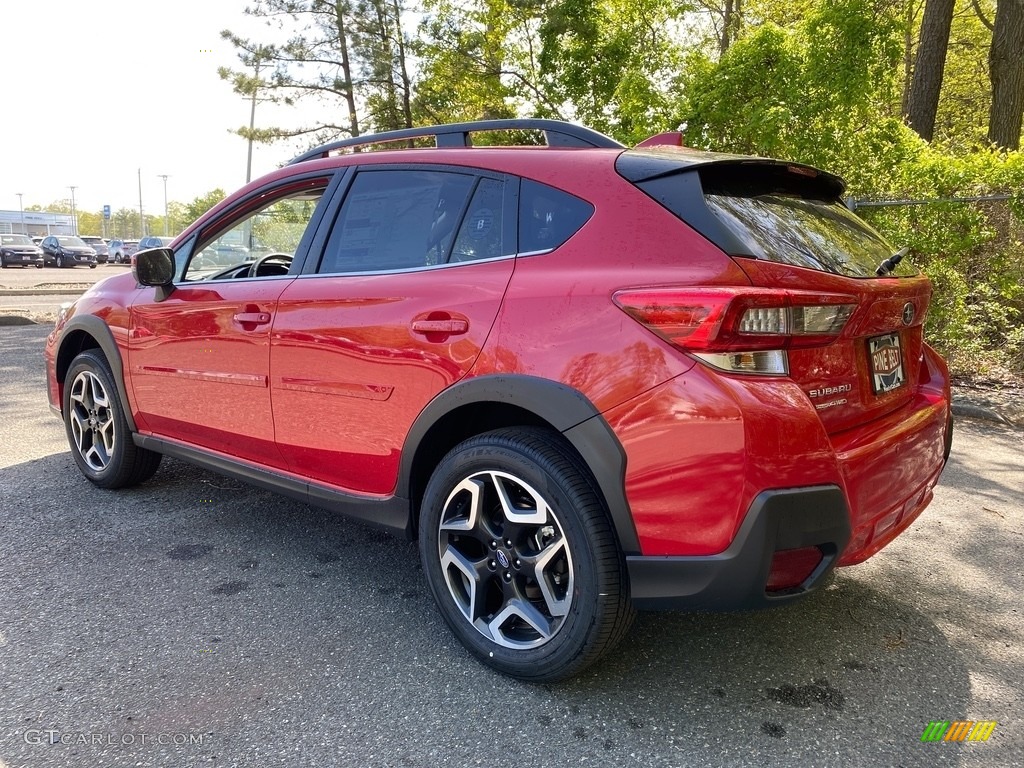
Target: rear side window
x,y
548,217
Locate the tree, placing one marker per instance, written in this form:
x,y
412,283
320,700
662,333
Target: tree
x,y
203,203
462,47
1006,71
314,63
921,100
381,45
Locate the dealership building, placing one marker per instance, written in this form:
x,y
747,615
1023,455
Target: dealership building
x,y
40,223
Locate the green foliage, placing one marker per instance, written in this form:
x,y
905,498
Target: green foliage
x,y
202,204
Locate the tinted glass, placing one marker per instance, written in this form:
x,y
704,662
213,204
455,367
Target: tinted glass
x,y
548,217
481,235
815,234
16,240
393,220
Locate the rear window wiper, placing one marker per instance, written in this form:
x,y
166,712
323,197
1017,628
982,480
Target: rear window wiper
x,y
889,264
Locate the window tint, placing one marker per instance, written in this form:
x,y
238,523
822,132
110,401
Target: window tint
x,y
548,217
393,220
815,234
481,235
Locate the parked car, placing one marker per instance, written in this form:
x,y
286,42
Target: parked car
x,y
152,241
99,245
121,250
67,250
585,378
37,239
20,251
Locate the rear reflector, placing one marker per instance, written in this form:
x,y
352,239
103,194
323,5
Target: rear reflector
x,y
791,567
730,328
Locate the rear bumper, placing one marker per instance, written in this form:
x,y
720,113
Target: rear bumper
x,y
736,579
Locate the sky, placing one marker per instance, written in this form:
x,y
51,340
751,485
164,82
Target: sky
x,y
92,92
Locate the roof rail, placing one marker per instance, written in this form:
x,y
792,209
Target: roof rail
x,y
556,133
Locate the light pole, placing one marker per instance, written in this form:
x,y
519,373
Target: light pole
x,y
21,208
74,216
252,122
142,220
164,177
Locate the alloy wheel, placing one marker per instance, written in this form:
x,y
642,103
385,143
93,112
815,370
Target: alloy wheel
x,y
505,559
92,421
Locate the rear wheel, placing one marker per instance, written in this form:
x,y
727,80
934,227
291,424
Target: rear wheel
x,y
521,557
98,433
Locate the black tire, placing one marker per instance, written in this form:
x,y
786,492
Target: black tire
x,y
549,592
58,260
39,266
92,266
98,433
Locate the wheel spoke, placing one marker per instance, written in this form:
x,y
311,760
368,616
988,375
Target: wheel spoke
x,y
475,489
105,430
536,514
78,428
526,611
99,394
466,586
554,583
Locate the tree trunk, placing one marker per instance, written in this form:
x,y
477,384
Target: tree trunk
x,y
346,67
923,100
403,66
1006,71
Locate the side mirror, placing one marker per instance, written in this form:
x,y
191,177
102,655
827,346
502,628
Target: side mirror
x,y
154,266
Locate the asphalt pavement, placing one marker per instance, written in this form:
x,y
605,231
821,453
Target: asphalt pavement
x,y
196,621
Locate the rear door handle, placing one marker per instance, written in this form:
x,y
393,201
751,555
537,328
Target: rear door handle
x,y
253,318
450,327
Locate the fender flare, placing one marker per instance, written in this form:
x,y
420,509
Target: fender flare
x,y
100,331
567,410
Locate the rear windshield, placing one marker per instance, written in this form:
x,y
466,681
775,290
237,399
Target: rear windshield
x,y
817,234
763,209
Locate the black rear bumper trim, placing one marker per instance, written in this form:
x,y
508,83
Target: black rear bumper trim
x,y
735,579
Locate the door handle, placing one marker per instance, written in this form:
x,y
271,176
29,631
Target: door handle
x,y
253,318
449,327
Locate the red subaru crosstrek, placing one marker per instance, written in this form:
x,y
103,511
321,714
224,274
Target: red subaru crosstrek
x,y
588,378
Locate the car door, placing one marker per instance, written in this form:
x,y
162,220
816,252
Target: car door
x,y
200,357
397,309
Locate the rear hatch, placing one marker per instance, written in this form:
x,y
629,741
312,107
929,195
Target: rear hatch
x,y
831,303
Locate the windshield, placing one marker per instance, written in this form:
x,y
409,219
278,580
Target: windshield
x,y
69,241
15,240
802,232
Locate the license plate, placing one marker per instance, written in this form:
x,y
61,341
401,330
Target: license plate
x,y
886,363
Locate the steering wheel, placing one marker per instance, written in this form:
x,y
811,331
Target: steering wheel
x,y
285,260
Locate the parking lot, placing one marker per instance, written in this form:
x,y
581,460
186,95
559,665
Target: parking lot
x,y
197,621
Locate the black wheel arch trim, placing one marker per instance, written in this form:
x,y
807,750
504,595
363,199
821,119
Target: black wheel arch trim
x,y
100,331
569,411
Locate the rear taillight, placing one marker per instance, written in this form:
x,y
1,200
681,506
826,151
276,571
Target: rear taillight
x,y
745,330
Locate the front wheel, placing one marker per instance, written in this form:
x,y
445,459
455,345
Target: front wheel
x,y
520,555
59,261
97,431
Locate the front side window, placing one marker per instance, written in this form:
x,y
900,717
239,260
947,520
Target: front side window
x,y
263,242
